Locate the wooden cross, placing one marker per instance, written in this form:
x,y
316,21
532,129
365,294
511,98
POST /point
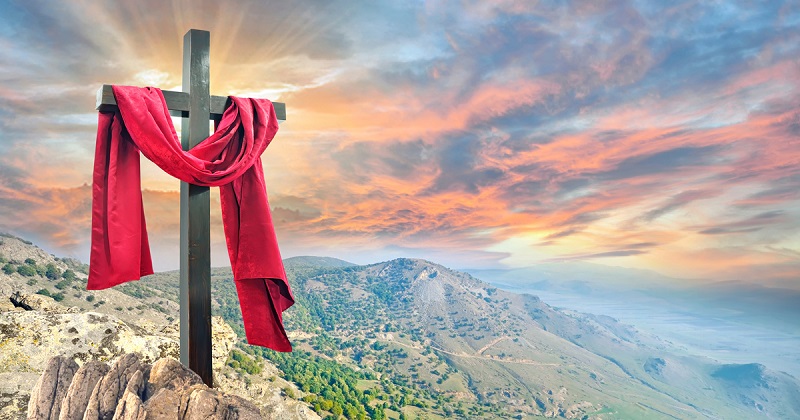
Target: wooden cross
x,y
196,107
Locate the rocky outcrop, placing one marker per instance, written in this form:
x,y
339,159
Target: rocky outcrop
x,y
79,392
30,338
49,391
131,406
132,390
110,389
223,338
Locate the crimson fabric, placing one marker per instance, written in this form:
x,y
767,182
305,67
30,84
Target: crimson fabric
x,y
231,159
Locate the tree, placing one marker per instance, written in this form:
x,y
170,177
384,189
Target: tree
x,y
26,270
52,272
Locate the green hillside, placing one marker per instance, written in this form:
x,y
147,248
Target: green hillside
x,y
412,339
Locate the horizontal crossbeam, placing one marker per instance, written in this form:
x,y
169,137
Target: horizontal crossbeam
x,y
178,102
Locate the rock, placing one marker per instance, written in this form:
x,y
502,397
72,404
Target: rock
x,y
130,390
79,392
223,338
30,338
131,407
49,391
168,373
200,402
43,303
6,305
163,405
15,393
109,390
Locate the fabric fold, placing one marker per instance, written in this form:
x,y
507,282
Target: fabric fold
x,y
231,159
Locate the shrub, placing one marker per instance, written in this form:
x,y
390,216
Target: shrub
x,y
31,282
52,272
58,296
90,298
63,284
68,275
26,270
9,269
44,292
30,261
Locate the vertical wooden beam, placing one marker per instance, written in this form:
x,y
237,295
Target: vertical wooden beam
x,y
195,280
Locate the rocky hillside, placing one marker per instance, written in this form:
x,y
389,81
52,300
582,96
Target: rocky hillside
x,y
46,311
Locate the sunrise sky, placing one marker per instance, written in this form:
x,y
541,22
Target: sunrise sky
x,y
470,133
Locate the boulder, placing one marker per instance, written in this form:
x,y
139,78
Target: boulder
x,y
200,402
163,404
132,390
131,407
49,391
79,392
168,373
109,390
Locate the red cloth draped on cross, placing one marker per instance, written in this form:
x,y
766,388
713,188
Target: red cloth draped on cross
x,y
230,159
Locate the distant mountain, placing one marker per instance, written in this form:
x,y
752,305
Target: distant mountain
x,y
580,277
322,262
745,302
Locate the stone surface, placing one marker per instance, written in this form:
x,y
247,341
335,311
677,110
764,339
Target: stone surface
x,y
168,373
49,391
131,407
79,392
15,392
28,339
200,402
223,339
131,390
109,390
163,404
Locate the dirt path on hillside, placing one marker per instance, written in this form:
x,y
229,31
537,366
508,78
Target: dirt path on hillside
x,y
486,347
477,356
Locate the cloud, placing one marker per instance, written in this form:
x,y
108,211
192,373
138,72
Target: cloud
x,y
626,130
677,201
607,254
671,160
750,224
